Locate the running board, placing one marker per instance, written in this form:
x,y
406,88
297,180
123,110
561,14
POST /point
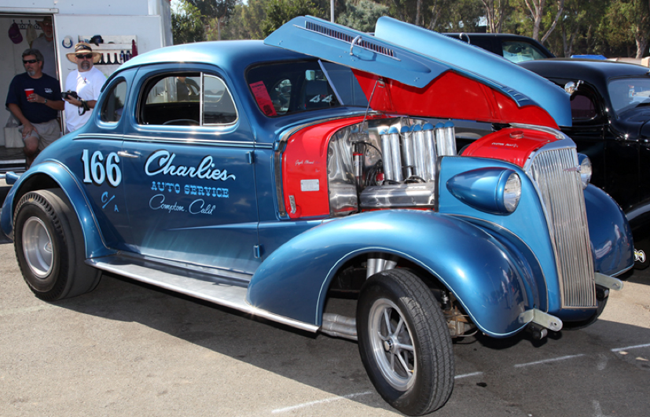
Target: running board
x,y
222,291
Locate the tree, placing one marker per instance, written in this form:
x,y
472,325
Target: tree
x,y
214,9
363,15
280,12
186,24
496,12
536,10
629,20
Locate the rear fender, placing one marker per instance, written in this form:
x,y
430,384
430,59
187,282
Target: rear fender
x,y
486,276
67,182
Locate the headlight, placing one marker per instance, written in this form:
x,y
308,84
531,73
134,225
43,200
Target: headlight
x,y
512,192
493,190
584,169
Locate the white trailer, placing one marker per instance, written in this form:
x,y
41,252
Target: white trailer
x,y
120,23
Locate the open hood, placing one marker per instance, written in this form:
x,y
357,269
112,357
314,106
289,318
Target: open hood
x,y
406,80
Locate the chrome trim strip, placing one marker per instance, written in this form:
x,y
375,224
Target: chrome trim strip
x,y
555,132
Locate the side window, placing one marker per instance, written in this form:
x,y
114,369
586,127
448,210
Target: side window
x,y
292,87
178,99
582,107
172,99
218,106
114,105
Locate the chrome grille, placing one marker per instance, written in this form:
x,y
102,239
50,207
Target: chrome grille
x,y
558,180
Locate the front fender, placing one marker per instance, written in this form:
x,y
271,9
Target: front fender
x,y
610,233
485,275
94,244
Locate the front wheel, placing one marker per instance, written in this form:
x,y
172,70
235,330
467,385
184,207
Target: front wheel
x,y
49,246
404,342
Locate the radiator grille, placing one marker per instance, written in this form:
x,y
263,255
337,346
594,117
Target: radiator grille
x,y
556,175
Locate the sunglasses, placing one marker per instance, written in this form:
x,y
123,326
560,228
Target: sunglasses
x,y
87,56
30,61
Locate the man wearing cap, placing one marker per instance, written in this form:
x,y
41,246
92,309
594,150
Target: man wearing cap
x,y
34,98
45,44
86,81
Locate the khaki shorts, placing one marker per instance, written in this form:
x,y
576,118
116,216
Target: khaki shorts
x,y
48,132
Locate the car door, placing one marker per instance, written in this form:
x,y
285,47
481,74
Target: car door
x,y
188,171
95,160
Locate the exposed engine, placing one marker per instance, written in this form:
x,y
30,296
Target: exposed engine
x,y
386,163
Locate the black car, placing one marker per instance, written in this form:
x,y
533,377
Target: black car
x,y
514,48
610,110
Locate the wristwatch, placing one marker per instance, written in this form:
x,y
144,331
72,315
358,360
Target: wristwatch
x,y
45,102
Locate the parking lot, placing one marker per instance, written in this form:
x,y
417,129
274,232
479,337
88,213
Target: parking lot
x,y
129,349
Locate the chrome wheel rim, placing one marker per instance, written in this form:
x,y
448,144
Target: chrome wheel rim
x,y
37,247
392,344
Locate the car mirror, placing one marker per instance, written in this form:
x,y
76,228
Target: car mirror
x,y
572,87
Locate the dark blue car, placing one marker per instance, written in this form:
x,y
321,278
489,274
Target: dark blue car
x,y
270,177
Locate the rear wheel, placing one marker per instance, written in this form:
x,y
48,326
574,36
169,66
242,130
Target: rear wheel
x,y
49,246
404,342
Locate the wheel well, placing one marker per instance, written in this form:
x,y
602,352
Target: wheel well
x,y
33,183
352,274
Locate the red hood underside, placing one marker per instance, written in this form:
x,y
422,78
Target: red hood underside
x,y
450,96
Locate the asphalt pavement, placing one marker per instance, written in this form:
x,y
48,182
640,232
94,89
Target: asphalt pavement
x,y
128,349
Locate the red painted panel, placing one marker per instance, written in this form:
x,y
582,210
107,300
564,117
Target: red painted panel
x,y
450,96
304,168
512,145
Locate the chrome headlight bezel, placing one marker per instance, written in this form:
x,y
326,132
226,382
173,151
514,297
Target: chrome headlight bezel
x,y
511,193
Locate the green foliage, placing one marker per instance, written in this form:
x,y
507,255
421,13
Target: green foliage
x,y
363,15
608,27
186,24
279,12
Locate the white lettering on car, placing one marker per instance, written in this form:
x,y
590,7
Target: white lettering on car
x,y
161,163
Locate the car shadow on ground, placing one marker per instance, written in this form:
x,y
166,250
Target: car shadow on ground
x,y
325,363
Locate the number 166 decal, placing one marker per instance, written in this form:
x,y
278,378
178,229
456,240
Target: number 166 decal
x,y
97,170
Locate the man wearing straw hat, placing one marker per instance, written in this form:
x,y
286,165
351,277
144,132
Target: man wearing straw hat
x,y
87,82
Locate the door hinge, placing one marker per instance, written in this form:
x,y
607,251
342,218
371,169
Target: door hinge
x,y
257,251
251,157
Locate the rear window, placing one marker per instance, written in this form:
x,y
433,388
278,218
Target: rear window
x,y
291,87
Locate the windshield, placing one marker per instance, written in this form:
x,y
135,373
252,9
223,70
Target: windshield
x,y
291,87
628,93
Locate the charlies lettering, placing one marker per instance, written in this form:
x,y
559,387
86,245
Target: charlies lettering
x,y
162,162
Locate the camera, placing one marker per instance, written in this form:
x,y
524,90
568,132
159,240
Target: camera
x,y
69,94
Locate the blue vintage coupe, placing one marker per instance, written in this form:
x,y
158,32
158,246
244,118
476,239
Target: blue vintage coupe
x,y
271,176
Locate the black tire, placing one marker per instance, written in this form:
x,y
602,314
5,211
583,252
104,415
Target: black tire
x,y
422,382
49,246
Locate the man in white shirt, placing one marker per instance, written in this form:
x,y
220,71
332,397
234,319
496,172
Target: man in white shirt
x,y
87,82
45,44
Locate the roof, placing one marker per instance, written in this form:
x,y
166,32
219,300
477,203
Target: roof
x,y
229,55
585,69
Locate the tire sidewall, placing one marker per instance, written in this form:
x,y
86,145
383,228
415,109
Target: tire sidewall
x,y
56,283
375,289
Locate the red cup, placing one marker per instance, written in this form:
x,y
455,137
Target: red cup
x,y
29,92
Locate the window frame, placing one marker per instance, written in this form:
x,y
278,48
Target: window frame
x,y
151,80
